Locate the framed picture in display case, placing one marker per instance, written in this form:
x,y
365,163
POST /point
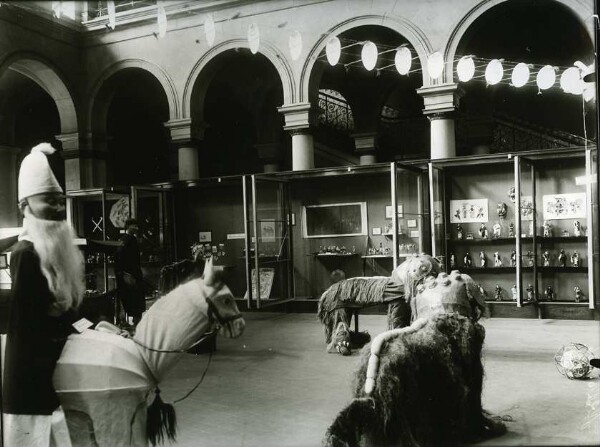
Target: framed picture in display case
x,y
335,219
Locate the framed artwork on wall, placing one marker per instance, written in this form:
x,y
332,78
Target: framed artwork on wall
x,y
334,220
564,206
388,211
468,210
267,230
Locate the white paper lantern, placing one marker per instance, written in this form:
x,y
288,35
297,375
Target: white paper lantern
x,y
209,30
571,82
435,64
295,44
112,14
161,17
494,72
465,68
403,60
369,55
520,75
545,77
253,38
333,50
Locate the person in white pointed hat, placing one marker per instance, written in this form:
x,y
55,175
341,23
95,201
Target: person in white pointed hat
x,y
47,274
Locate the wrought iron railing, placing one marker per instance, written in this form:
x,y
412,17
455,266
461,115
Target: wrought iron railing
x,y
99,8
335,112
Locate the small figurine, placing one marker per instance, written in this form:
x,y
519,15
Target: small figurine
x,y
452,261
546,257
501,210
530,293
513,259
575,259
577,228
498,293
578,294
562,258
549,292
511,230
482,258
483,232
513,289
511,194
497,260
467,260
547,229
459,232
496,230
530,258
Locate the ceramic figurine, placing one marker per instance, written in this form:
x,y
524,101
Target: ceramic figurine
x,y
547,229
549,292
501,210
578,294
530,258
511,194
577,228
483,259
496,230
511,230
513,290
575,259
467,260
513,259
498,293
459,232
530,293
483,232
546,257
497,260
562,258
452,261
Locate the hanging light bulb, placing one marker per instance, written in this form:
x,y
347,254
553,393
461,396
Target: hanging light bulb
x,y
369,55
494,72
295,45
333,50
435,64
465,68
520,75
209,30
545,77
112,14
161,16
571,82
253,37
403,60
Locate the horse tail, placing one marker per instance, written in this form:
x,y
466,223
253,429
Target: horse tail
x,y
160,420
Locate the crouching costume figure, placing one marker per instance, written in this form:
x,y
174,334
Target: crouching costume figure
x,y
421,385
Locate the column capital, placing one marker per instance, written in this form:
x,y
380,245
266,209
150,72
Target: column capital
x,y
185,131
440,116
299,116
440,98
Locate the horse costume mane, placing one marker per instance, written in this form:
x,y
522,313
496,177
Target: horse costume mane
x,y
103,380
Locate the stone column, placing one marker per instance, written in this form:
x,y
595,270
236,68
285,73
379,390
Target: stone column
x,y
85,161
186,137
9,214
440,101
298,119
269,154
366,147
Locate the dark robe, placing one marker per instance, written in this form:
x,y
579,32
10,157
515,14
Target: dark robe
x,y
128,272
34,338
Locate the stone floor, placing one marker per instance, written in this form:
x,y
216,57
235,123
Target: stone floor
x,y
276,385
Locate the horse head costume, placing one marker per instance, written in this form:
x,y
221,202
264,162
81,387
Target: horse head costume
x,y
421,384
104,380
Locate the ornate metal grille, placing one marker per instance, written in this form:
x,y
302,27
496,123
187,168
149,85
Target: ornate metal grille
x,y
334,111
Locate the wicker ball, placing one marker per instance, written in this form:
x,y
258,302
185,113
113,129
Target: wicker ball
x,y
573,360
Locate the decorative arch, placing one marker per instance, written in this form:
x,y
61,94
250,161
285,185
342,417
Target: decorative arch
x,y
49,78
407,29
199,72
582,10
159,73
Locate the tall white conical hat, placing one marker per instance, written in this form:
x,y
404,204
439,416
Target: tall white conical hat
x,y
35,175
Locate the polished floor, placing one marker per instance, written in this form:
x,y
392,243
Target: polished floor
x,y
276,385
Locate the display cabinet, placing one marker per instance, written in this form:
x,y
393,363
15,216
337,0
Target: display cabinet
x,y
534,252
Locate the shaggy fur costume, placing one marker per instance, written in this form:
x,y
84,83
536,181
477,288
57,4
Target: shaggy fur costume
x,y
428,391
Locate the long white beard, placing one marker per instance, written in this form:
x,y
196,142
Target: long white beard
x,y
61,261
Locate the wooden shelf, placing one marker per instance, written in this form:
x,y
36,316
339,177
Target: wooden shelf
x,y
487,269
500,240
333,255
377,257
556,269
562,239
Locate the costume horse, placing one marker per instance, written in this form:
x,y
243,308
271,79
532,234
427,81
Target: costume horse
x,y
104,379
421,385
342,299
